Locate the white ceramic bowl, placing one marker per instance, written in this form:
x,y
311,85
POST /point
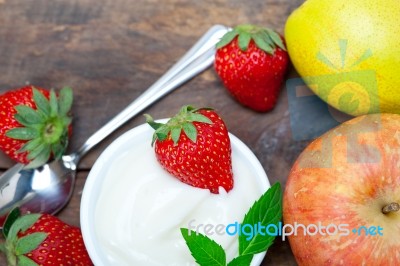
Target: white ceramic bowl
x,y
97,177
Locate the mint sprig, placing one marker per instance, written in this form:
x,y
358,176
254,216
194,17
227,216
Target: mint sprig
x,y
241,260
265,211
204,250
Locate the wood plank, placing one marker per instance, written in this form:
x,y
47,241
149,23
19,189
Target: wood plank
x,y
110,51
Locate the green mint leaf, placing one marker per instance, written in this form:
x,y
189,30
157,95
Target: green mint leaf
x,y
25,261
190,131
204,250
29,242
243,260
265,211
41,101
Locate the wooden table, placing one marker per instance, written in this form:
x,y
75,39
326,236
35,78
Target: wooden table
x,y
110,51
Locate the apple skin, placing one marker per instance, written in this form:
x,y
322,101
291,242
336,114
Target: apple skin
x,y
347,176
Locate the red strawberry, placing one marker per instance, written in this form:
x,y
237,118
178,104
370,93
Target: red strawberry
x,y
42,239
252,62
34,124
194,146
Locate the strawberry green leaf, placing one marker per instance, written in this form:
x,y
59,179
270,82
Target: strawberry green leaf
x,y
241,260
264,38
21,120
190,131
29,242
276,38
153,139
58,150
3,248
66,120
185,109
41,102
46,128
28,114
39,159
65,100
30,145
53,104
36,151
266,210
162,133
183,120
227,38
244,40
262,44
22,133
195,117
204,250
175,134
25,261
12,216
22,224
150,121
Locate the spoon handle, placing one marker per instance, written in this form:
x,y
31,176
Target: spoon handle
x,y
196,60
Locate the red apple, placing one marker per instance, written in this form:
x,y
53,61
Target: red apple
x,y
349,179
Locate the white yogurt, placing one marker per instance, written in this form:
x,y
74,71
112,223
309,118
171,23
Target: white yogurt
x,y
141,208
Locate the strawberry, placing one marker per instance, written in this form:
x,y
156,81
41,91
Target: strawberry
x,y
42,239
251,62
34,124
194,146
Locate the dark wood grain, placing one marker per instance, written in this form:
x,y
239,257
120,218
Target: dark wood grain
x,y
110,51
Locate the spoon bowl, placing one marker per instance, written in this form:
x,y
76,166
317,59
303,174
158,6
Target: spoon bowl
x,y
44,189
47,189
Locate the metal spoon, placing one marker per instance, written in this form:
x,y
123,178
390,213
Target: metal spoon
x,y
48,188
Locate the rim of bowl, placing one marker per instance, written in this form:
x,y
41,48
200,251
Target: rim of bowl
x,y
93,185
